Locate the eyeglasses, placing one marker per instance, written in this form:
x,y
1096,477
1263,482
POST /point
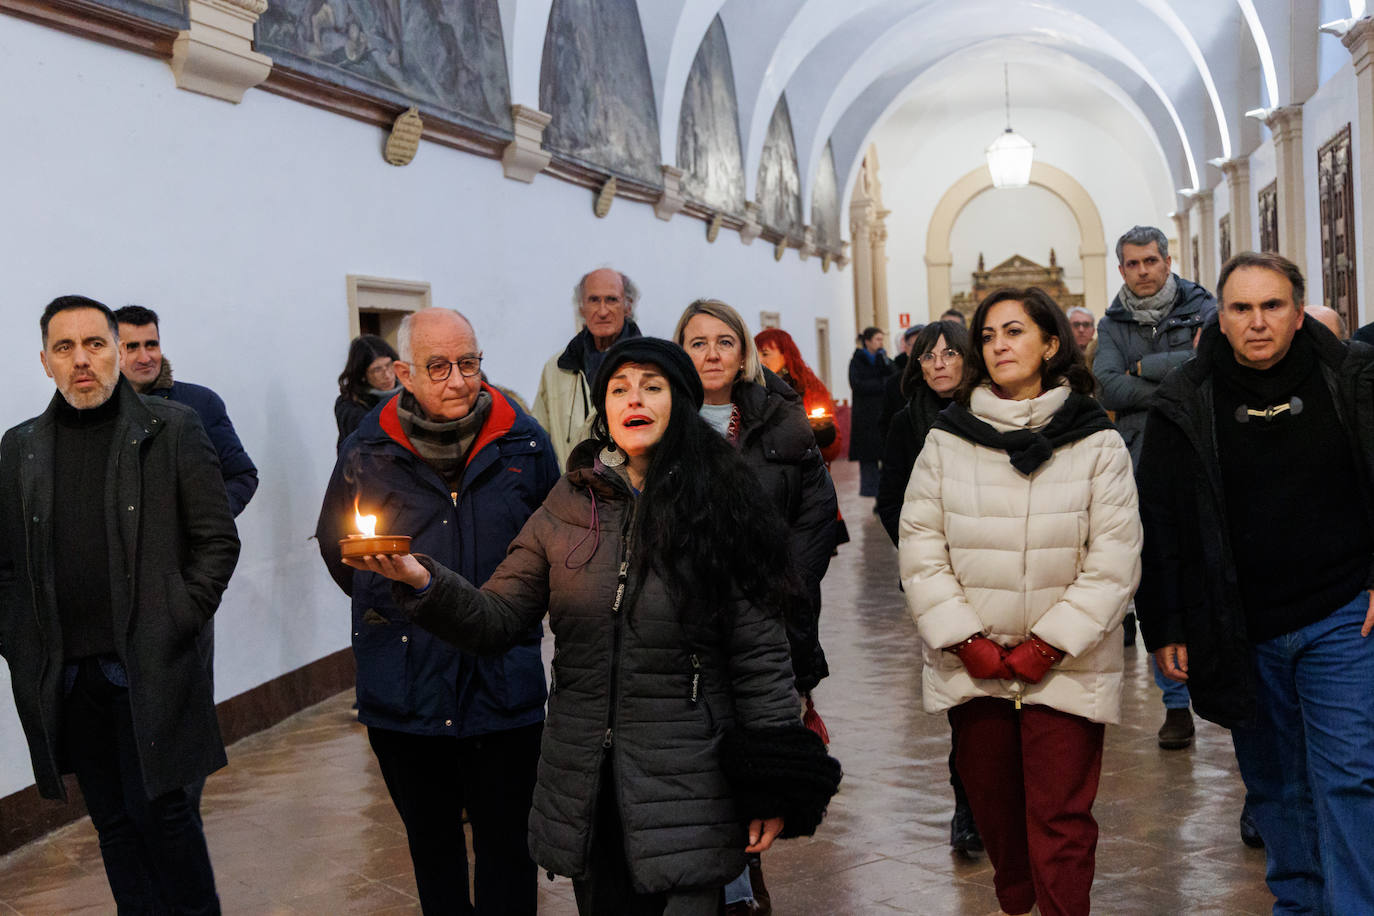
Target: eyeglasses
x,y
1081,324
440,369
949,354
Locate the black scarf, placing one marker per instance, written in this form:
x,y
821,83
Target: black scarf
x,y
1079,418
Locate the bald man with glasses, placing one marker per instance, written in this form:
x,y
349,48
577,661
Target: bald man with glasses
x,y
458,467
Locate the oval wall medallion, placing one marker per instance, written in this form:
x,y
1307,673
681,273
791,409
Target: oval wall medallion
x,y
604,198
713,227
404,140
780,249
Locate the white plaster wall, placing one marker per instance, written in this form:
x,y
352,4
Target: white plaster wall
x,y
1263,169
919,166
1325,114
239,224
1027,221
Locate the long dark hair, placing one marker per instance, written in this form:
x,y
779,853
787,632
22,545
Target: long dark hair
x,y
361,353
1067,363
704,525
956,338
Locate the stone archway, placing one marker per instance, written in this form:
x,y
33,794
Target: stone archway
x,y
1092,248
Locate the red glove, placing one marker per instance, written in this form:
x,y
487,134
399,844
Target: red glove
x,y
1033,659
983,658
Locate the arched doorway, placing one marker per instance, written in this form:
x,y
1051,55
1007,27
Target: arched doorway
x,y
1092,250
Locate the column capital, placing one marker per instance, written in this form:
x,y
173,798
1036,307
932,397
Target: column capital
x,y
1235,169
215,55
1285,123
673,198
752,227
524,157
1357,41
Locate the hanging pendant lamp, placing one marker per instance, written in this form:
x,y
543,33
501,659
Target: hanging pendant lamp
x,y
1010,155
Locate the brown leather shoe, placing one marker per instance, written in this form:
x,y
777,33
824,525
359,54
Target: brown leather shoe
x,y
1177,731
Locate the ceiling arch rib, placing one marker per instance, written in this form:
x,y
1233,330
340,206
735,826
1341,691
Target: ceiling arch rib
x,y
1266,53
851,136
813,32
1024,22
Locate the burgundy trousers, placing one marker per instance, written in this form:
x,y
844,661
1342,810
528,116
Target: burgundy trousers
x,y
1031,776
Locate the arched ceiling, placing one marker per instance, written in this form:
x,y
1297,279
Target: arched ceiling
x,y
1185,71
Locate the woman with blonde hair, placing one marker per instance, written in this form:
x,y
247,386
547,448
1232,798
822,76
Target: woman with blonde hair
x,y
763,418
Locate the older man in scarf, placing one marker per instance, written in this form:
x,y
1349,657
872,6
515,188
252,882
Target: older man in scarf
x,y
1147,331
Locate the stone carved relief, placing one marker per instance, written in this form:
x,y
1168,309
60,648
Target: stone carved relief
x,y
825,203
779,189
1017,271
595,82
446,56
708,144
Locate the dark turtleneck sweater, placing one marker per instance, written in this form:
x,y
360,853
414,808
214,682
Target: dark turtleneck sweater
x,y
80,548
1300,537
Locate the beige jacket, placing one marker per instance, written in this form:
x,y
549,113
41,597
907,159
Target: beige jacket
x,y
984,548
563,407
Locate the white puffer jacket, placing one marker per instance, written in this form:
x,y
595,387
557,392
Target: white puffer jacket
x,y
984,548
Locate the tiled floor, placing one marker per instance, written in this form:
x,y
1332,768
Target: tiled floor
x,y
300,822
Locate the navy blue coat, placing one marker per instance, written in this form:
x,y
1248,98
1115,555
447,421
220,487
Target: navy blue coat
x,y
239,473
408,679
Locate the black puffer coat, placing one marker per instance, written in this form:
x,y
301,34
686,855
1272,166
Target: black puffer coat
x,y
776,441
628,681
904,440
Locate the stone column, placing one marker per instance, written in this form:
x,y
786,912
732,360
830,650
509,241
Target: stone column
x,y
879,268
860,228
1183,250
1360,41
1095,293
1237,172
1286,125
1207,239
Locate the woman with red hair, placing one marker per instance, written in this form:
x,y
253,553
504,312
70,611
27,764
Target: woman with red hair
x,y
779,353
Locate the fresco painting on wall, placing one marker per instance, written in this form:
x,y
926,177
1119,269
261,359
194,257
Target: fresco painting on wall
x,y
779,192
595,81
708,147
165,12
825,203
446,57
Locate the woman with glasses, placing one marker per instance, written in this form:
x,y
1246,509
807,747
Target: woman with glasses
x,y
931,376
672,746
1020,549
366,381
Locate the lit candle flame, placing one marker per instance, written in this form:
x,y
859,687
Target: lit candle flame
x,y
367,524
818,413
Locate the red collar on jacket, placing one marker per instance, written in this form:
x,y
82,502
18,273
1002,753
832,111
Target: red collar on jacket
x,y
499,422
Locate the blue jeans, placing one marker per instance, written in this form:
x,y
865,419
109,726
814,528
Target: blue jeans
x,y
1175,692
740,890
1308,764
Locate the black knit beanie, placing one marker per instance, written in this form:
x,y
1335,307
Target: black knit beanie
x,y
671,359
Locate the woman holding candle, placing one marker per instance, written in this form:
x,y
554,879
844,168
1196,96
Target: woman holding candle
x,y
672,746
779,354
1020,549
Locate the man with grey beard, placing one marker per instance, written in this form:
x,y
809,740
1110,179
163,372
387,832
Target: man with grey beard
x,y
116,546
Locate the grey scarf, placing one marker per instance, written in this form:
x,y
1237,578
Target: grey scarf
x,y
1151,310
443,444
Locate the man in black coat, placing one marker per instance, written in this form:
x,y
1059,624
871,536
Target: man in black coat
x,y
117,545
868,371
1258,504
